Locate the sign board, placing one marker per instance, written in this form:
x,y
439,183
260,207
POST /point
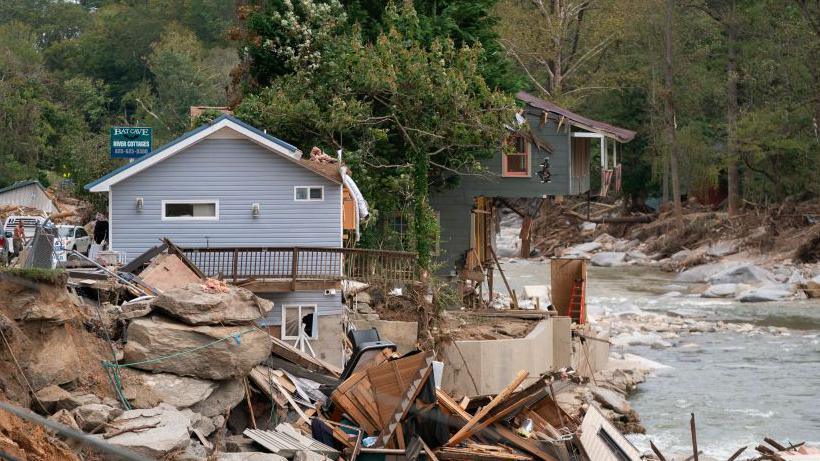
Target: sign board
x,y
130,141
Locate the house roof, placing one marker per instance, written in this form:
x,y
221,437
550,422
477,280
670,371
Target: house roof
x,y
611,131
190,138
20,184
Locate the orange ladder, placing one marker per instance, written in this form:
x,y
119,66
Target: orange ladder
x,y
577,301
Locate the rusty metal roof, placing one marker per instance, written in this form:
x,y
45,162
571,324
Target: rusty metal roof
x,y
612,131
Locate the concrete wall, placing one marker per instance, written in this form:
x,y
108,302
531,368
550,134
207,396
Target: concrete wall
x,y
477,367
328,346
404,334
597,352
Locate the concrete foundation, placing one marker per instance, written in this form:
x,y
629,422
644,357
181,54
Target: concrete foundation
x,y
404,334
328,346
478,367
592,354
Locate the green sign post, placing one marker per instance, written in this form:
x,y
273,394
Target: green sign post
x,y
130,142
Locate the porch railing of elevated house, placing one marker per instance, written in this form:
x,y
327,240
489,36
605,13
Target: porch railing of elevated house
x,y
305,264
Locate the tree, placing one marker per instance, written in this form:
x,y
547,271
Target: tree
x,y
670,119
402,111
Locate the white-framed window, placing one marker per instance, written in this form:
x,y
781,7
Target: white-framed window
x,y
299,316
190,210
309,193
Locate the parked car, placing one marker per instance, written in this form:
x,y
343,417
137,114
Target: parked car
x,y
30,224
74,238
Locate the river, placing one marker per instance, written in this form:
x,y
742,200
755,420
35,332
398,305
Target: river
x,y
742,386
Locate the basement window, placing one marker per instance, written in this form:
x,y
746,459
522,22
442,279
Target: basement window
x,y
296,318
517,162
190,210
308,193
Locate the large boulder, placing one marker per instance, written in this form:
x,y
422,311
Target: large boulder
x,y
763,294
745,273
195,304
721,290
147,390
612,400
812,287
703,272
608,259
588,247
207,352
227,395
171,431
722,248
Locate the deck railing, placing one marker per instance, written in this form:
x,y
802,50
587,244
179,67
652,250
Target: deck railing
x,y
304,264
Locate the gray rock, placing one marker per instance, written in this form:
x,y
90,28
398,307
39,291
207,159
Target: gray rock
x,y
588,247
52,397
198,422
133,310
227,395
94,415
722,248
363,298
612,400
171,431
746,273
149,338
240,443
721,290
147,390
305,455
763,294
194,452
608,259
250,456
703,272
636,256
680,256
605,238
196,305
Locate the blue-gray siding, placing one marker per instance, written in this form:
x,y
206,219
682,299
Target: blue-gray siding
x,y
454,204
236,173
326,304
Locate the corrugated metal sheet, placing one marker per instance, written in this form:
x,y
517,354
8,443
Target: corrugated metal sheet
x,y
596,446
287,445
29,194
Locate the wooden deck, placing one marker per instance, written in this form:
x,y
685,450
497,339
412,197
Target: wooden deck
x,y
304,266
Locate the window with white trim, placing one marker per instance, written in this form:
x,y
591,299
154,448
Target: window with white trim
x,y
298,317
308,193
190,210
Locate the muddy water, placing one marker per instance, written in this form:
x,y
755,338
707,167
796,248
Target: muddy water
x,y
741,386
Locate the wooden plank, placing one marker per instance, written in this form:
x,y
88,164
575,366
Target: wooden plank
x,y
290,353
468,428
293,404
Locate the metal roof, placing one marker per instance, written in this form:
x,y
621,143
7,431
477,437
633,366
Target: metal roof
x,y
20,184
612,131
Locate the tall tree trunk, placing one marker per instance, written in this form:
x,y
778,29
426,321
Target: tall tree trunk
x,y
731,112
665,180
669,109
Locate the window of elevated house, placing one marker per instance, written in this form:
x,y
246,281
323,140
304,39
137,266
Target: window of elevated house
x,y
299,319
516,157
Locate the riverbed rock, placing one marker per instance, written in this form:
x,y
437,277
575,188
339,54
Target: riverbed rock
x,y
703,272
766,293
745,273
147,390
680,256
588,247
636,255
227,395
721,290
608,259
722,248
812,287
612,400
94,415
171,432
195,304
158,336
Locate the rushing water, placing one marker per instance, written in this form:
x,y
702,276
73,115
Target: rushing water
x,y
741,386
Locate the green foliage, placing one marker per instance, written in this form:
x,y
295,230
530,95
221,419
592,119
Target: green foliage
x,y
35,274
402,110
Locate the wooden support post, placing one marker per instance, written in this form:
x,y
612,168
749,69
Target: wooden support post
x,y
294,268
235,265
504,277
737,453
656,451
694,437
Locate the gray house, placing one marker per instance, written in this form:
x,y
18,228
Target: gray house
x,y
30,194
245,206
547,154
